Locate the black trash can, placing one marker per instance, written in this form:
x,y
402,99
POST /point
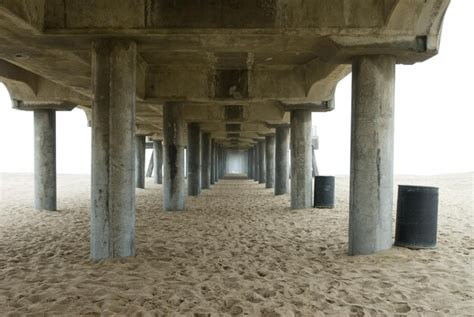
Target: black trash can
x,y
324,192
417,217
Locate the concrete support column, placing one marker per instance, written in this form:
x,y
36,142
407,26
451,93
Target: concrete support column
x,y
282,140
173,157
270,161
151,164
313,160
216,162
45,159
221,162
256,169
194,159
212,162
224,165
371,182
140,161
206,161
261,162
250,163
301,180
158,161
113,145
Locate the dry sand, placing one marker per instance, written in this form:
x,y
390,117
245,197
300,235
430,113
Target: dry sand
x,y
236,250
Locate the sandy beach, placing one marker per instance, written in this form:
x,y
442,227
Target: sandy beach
x,y
236,250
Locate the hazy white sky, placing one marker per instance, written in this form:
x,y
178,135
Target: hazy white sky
x,y
434,114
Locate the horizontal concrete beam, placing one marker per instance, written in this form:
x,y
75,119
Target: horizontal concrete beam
x,y
60,106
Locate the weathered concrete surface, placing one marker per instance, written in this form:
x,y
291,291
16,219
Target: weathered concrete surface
x,y
151,163
250,163
173,157
371,184
269,161
140,161
240,62
194,159
261,162
256,165
206,160
301,184
45,159
216,162
221,162
282,145
314,164
113,147
158,161
212,162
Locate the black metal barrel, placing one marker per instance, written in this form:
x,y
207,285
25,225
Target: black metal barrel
x,y
324,191
417,217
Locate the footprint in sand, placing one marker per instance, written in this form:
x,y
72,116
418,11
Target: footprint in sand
x,y
265,292
254,297
402,307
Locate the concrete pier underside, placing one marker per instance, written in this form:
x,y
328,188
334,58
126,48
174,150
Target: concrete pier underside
x,y
239,71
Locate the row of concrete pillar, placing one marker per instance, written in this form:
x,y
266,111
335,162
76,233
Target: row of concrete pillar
x,y
114,175
269,161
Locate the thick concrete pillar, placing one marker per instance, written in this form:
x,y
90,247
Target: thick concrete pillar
x,y
140,161
261,162
269,161
301,180
250,163
194,159
313,162
216,162
371,181
113,147
158,161
255,163
221,162
151,163
173,157
282,140
224,165
212,162
45,159
206,161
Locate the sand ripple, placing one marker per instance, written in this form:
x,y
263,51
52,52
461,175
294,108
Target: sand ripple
x,y
236,250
